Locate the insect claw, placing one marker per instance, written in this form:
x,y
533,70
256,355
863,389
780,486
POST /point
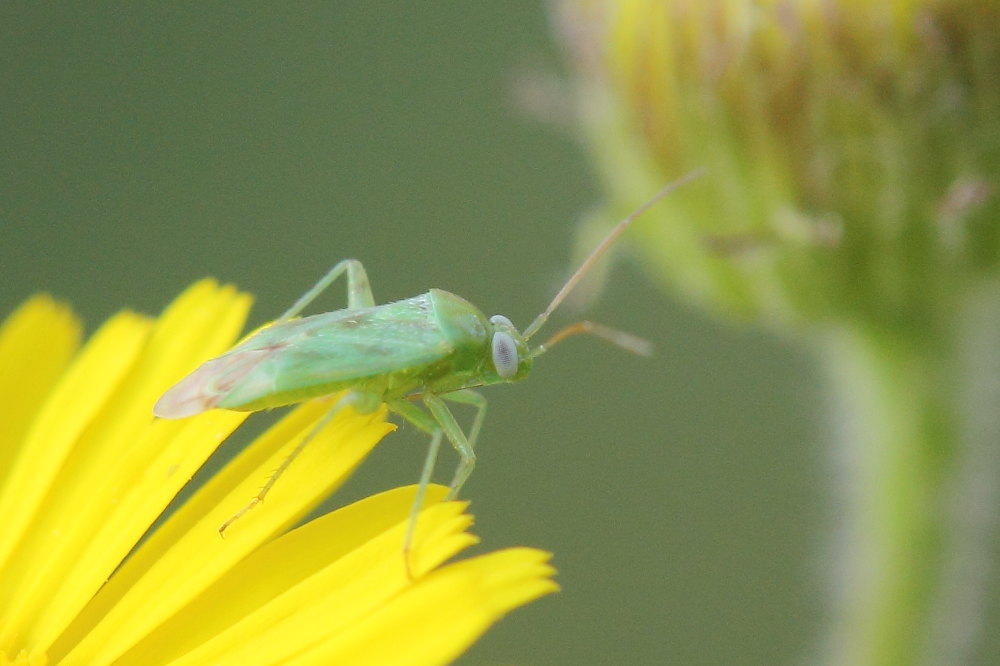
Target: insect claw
x,y
407,567
239,514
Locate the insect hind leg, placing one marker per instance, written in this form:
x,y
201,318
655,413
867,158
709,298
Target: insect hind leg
x,y
350,398
359,290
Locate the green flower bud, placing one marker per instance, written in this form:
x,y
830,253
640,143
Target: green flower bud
x,y
853,158
852,148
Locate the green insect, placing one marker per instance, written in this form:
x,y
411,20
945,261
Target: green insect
x,y
431,348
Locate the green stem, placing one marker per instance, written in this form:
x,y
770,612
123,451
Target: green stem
x,y
918,418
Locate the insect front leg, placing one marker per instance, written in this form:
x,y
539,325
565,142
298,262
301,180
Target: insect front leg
x,y
477,400
359,290
454,433
440,421
423,421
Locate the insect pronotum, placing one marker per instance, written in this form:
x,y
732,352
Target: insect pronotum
x,y
431,348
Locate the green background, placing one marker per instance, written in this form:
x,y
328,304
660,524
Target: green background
x,y
686,497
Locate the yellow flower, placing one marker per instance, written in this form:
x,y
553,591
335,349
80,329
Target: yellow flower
x,y
85,470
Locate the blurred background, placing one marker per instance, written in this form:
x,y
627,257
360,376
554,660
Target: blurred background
x,y
686,497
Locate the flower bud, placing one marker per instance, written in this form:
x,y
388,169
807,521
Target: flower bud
x,y
852,148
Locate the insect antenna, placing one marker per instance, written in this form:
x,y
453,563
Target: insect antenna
x,y
626,341
596,254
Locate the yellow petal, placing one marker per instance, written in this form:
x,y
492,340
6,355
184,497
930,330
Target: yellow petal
x,y
434,621
186,554
311,582
37,342
25,498
99,472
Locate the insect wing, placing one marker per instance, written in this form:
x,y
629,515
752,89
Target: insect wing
x,y
317,352
204,388
338,348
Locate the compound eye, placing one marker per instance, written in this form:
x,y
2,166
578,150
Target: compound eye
x,y
500,319
504,354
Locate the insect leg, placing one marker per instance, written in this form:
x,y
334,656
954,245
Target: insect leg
x,y
414,415
350,398
359,291
454,433
477,400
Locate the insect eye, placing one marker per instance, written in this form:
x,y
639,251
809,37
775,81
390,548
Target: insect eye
x,y
500,319
504,354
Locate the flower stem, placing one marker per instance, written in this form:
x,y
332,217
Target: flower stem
x,y
918,421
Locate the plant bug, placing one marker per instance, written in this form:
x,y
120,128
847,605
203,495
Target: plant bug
x,y
431,348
